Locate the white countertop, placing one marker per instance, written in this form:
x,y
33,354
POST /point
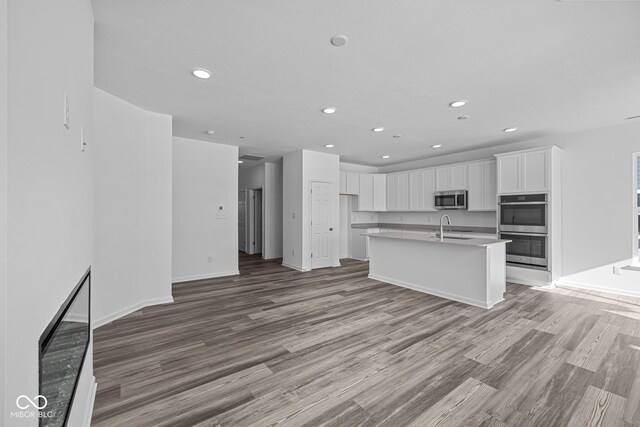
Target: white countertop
x,y
427,238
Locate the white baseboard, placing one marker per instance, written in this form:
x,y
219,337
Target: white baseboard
x,y
532,283
272,257
293,267
596,288
133,307
90,402
447,295
204,276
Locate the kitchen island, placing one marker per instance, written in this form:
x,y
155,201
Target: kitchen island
x,y
469,270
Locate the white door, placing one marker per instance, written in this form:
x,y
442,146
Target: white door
x,y
242,221
257,217
321,224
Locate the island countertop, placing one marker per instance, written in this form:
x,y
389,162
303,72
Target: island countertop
x,y
424,237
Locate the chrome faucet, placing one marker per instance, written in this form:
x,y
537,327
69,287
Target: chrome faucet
x,y
442,226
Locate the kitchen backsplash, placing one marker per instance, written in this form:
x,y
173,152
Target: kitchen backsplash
x,y
465,218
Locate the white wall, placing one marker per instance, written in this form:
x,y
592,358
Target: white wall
x,y
292,210
251,177
272,202
132,207
48,198
205,176
3,197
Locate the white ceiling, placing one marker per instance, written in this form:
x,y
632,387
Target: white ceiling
x,y
545,67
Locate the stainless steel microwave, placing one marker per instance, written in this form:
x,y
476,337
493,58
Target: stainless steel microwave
x,y
456,199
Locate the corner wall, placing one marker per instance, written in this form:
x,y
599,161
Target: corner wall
x,y
272,244
3,198
49,216
132,208
205,238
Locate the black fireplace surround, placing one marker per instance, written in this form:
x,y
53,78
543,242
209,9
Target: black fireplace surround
x,y
63,349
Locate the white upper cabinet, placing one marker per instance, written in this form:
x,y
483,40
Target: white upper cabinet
x,y
353,183
379,193
343,182
428,188
524,172
398,191
482,186
416,196
365,198
452,177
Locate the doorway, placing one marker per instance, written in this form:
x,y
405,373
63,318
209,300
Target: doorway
x,y
242,221
255,211
321,224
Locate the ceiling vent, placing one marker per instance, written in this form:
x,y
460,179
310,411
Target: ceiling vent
x,y
251,157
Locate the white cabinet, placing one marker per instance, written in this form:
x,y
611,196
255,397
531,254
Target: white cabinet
x,y
343,182
452,177
422,184
524,172
416,197
353,183
428,188
379,193
482,186
373,193
398,191
365,196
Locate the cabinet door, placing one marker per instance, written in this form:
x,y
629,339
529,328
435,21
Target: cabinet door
x,y
443,179
428,188
392,192
490,185
509,173
343,183
365,198
415,191
379,193
475,197
353,183
403,191
535,171
459,177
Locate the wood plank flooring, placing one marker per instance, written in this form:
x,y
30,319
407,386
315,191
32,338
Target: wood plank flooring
x,y
331,347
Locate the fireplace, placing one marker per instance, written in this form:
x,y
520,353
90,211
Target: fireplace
x,y
63,349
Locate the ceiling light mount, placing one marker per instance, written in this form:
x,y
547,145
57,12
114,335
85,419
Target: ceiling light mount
x,y
339,40
201,73
463,117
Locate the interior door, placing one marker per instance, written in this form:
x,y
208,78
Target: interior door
x,y
321,224
242,221
257,217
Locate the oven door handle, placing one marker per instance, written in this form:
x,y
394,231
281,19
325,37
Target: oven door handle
x,y
523,203
524,234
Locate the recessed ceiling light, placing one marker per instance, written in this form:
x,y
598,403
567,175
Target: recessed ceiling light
x,y
210,132
201,73
456,104
240,161
380,129
397,136
329,145
463,117
339,40
385,157
509,130
329,110
436,146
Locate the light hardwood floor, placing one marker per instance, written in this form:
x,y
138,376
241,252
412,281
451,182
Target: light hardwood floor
x,y
332,347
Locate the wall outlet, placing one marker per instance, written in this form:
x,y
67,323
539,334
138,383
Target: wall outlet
x,y
428,219
209,258
293,215
293,252
401,218
617,270
83,143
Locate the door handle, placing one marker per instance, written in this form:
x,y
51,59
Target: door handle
x,y
331,229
